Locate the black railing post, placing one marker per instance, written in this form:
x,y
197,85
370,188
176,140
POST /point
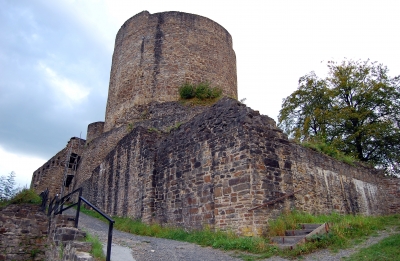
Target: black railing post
x,y
109,241
78,209
110,228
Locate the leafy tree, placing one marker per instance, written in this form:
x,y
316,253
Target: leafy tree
x,y
355,109
7,186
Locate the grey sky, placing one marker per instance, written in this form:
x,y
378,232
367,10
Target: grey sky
x,y
55,58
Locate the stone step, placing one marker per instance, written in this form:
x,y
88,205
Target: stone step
x,y
287,239
300,236
298,232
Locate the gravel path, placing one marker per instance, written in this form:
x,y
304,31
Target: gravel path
x,y
156,249
150,248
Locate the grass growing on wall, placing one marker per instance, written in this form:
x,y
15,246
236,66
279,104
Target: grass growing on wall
x,y
200,94
24,196
346,230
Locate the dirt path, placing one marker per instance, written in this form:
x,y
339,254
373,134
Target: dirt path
x,y
155,249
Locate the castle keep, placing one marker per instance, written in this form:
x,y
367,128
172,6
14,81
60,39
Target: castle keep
x,y
159,160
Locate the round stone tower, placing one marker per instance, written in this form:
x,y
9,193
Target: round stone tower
x,y
154,54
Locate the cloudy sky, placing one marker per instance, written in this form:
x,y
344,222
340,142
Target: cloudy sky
x,y
55,58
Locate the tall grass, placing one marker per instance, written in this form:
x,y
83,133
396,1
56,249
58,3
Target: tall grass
x,y
24,196
97,247
345,231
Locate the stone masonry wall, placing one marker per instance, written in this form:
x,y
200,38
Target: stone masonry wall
x,y
51,174
154,54
23,233
215,168
156,116
94,130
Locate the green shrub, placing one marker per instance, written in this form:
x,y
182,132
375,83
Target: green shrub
x,y
26,196
202,91
186,91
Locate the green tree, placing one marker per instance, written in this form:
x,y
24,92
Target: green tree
x,y
7,186
355,109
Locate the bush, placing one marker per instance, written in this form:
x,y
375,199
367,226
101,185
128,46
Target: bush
x,y
186,91
202,91
26,196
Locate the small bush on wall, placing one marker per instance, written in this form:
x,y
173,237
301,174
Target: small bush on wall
x,y
201,91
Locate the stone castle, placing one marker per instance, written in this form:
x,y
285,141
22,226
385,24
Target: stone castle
x,y
224,166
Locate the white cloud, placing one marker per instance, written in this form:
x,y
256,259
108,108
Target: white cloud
x,y
22,165
67,90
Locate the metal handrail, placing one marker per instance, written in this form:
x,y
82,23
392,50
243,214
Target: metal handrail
x,y
110,225
58,208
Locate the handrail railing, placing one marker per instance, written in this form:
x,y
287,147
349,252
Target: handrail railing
x,y
58,208
110,225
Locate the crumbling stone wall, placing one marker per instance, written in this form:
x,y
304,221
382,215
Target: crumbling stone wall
x,y
51,174
159,117
219,165
154,54
23,233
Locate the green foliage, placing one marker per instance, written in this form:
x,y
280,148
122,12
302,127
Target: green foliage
x,y
174,127
330,150
130,127
345,229
187,91
387,249
26,196
202,91
355,110
97,248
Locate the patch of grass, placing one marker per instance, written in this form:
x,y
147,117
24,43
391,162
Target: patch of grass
x,y
345,231
153,130
97,248
202,91
174,127
329,150
24,196
387,249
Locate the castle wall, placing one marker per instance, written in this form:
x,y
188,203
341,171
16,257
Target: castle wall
x,y
159,117
214,169
154,54
94,130
51,174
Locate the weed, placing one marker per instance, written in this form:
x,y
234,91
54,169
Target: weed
x,y
23,196
202,91
329,150
174,127
130,126
151,129
97,248
35,252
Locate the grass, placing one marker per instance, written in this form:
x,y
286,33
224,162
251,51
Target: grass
x,y
200,94
346,230
97,248
387,249
329,150
24,196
